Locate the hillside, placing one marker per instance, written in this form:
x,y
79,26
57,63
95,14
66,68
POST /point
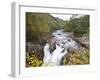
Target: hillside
x,y
39,25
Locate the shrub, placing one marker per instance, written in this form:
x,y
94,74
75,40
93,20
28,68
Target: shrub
x,y
76,58
32,60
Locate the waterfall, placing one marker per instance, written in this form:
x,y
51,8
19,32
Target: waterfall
x,y
62,43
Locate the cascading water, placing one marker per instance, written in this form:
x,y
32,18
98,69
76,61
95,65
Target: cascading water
x,y
62,42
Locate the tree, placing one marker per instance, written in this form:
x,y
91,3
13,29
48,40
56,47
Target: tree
x,y
78,25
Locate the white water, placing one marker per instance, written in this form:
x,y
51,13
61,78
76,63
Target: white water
x,y
63,42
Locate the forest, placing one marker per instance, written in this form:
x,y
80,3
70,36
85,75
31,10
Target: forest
x,y
39,28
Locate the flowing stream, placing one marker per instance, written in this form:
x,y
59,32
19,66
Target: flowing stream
x,y
62,42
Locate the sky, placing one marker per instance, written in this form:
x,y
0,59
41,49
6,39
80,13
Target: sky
x,y
61,16
65,17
